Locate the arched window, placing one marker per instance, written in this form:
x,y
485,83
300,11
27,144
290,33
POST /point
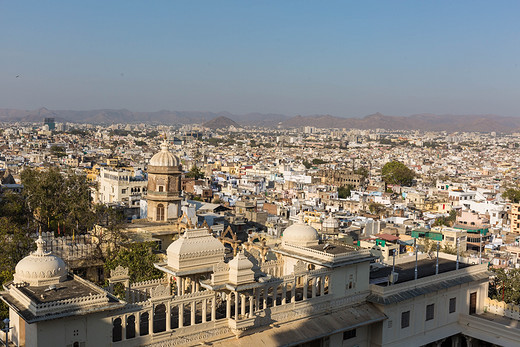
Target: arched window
x,y
143,324
117,330
130,327
159,318
160,212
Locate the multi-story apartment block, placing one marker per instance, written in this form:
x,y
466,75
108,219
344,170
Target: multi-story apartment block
x,y
121,186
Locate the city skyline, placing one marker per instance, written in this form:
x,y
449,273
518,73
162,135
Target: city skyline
x,y
344,59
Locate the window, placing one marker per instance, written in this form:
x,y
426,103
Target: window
x,y
160,212
453,305
405,319
430,311
349,334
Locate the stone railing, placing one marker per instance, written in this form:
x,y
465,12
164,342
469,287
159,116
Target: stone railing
x,y
422,282
149,283
351,254
502,308
67,304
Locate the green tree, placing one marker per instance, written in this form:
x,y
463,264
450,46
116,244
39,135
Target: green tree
x,y
318,161
504,285
16,243
362,171
138,258
345,191
52,198
58,151
195,172
512,195
395,172
376,208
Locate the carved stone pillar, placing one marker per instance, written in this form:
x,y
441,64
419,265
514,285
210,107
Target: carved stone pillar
x,y
264,297
204,310
314,282
243,305
236,306
251,307
150,323
305,287
228,305
192,312
168,316
322,285
181,315
469,341
293,292
283,301
275,294
257,298
213,308
123,328
138,325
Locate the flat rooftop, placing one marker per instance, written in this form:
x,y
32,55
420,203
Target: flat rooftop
x,y
406,271
334,248
69,289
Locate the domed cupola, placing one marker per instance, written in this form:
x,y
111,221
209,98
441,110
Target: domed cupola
x,y
164,186
300,234
40,268
164,158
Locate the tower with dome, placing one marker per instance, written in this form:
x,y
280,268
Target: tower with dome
x,y
164,186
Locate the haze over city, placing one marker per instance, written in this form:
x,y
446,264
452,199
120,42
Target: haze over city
x,y
340,58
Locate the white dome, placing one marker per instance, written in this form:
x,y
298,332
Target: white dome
x,y
40,268
164,157
331,222
195,248
300,234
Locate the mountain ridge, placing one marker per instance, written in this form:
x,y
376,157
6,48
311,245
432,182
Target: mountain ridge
x,y
421,121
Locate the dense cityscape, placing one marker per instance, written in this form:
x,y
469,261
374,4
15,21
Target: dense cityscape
x,y
238,228
259,173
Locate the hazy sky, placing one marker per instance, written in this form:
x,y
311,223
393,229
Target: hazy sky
x,y
345,58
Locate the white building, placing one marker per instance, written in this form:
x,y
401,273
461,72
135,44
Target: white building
x,y
306,294
121,186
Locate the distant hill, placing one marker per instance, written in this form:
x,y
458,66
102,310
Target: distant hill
x,y
221,123
424,121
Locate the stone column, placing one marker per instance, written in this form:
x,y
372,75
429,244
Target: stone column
x,y
168,316
181,315
181,287
250,307
305,287
322,285
243,305
284,294
192,312
204,304
469,341
257,298
275,294
228,305
314,282
150,323
236,306
293,292
264,297
123,328
138,324
213,308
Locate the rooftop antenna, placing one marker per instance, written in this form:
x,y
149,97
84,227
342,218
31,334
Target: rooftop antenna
x,y
437,263
457,266
480,249
415,246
